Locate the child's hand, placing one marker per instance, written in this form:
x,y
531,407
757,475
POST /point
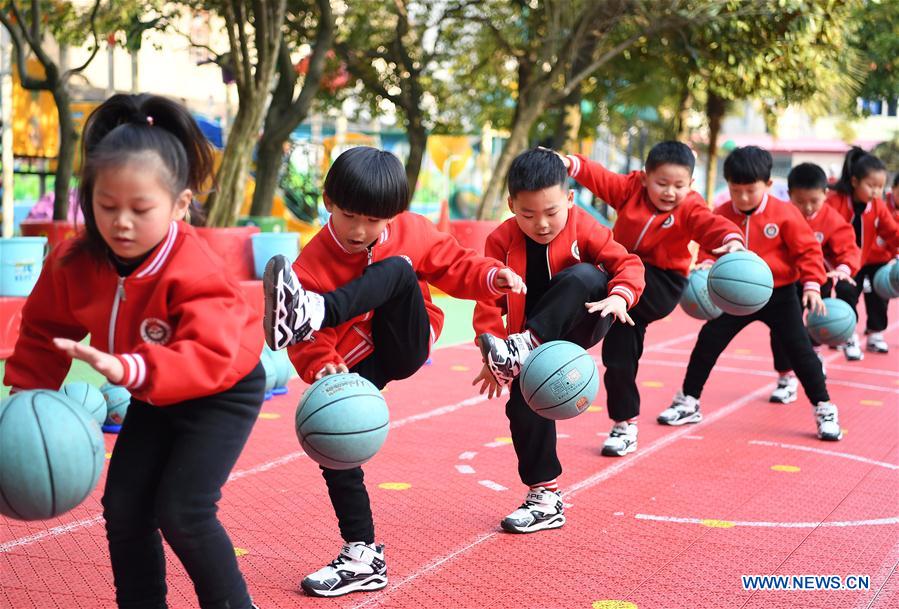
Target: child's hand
x,y
811,300
104,363
332,369
613,305
704,265
731,246
841,276
565,160
488,383
506,280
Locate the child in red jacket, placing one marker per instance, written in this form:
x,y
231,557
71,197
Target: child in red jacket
x,y
357,300
658,215
807,185
168,323
856,196
777,232
573,268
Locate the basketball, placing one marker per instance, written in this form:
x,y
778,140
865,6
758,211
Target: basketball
x,y
271,372
89,397
695,300
740,283
117,401
53,455
559,380
835,327
342,421
886,281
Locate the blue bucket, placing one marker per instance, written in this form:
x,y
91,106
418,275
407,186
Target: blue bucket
x,y
266,245
21,259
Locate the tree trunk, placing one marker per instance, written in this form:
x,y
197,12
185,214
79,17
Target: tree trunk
x,y
418,141
225,202
135,72
526,115
683,113
715,109
566,136
269,162
65,160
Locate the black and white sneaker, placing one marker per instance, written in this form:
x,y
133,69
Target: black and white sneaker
x,y
542,509
291,313
359,567
852,351
828,421
785,392
684,409
621,441
505,357
876,344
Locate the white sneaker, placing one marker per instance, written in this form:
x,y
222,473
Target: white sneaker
x,y
541,510
684,409
359,567
785,393
876,344
505,357
291,313
621,441
828,420
852,351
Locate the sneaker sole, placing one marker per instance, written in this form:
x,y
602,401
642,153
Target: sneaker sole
x,y
776,400
611,452
693,418
831,438
876,350
484,346
544,525
375,582
268,289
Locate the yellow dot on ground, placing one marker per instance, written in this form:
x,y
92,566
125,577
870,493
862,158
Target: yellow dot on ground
x,y
459,368
240,552
743,351
653,384
594,408
871,403
613,605
503,440
109,455
395,486
785,468
844,430
269,415
717,524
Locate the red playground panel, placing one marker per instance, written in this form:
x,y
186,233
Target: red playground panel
x,y
685,521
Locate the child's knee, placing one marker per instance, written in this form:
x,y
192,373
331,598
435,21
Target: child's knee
x,y
181,517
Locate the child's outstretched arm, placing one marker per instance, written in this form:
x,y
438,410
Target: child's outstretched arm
x,y
613,188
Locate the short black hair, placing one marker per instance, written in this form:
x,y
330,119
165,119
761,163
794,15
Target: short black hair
x,y
670,153
808,176
535,170
858,164
896,180
367,181
748,165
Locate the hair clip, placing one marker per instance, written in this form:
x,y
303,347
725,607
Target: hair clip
x,y
149,120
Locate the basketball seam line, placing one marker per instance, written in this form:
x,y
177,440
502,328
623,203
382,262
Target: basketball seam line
x,y
345,433
351,397
553,373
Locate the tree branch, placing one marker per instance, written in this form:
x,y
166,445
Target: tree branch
x,y
14,29
93,22
324,39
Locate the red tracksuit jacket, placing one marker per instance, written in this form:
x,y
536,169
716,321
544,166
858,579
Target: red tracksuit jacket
x,y
659,238
179,323
837,239
582,240
324,265
877,222
779,234
879,251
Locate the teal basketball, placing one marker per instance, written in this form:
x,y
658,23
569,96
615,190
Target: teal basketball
x,y
695,301
740,283
89,397
117,401
886,281
835,327
271,371
559,380
342,421
51,455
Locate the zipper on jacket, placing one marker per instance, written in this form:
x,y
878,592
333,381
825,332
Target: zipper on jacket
x,y
746,231
549,268
643,232
370,255
119,297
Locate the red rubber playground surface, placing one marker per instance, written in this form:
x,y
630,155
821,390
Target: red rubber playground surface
x,y
749,491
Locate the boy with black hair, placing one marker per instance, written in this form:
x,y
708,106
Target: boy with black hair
x,y
777,232
573,268
658,215
807,184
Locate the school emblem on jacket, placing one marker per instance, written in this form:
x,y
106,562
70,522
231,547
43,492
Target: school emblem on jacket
x,y
771,230
575,250
819,236
155,331
669,222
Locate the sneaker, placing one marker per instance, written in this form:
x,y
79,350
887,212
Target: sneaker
x,y
542,509
359,567
876,344
505,357
684,409
621,441
785,393
828,421
291,313
852,351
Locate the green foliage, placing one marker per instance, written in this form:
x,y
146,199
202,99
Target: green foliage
x,y
877,42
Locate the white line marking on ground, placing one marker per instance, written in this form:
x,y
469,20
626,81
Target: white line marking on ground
x,y
821,451
782,525
467,455
493,486
495,444
54,532
464,469
692,437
